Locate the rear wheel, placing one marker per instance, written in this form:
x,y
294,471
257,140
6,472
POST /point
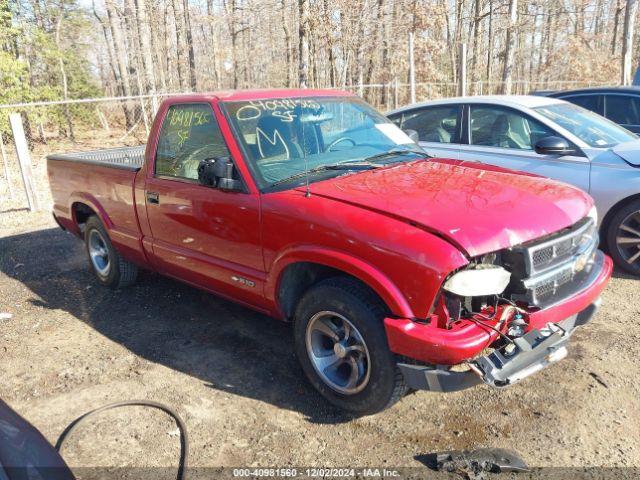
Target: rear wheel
x,y
623,238
109,267
342,347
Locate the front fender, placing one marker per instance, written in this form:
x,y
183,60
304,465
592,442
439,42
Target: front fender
x,y
358,268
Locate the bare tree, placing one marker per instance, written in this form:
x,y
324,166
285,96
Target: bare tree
x,y
189,38
509,49
121,56
303,33
627,44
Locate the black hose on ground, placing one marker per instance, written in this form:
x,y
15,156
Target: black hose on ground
x,y
184,440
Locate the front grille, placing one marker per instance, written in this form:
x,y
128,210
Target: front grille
x,y
544,270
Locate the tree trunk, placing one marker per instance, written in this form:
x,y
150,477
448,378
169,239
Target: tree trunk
x,y
616,23
180,56
193,83
490,46
144,31
213,44
287,43
63,72
303,47
509,49
627,44
118,43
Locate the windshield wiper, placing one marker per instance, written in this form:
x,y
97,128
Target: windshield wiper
x,y
356,165
394,153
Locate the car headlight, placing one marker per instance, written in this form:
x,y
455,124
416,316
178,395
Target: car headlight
x,y
481,280
593,213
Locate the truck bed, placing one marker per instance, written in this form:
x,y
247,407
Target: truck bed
x,y
102,181
128,158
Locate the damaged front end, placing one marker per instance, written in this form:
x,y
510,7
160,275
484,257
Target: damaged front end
x,y
505,316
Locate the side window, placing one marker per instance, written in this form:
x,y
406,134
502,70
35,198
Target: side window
x,y
433,124
504,128
590,102
623,109
188,135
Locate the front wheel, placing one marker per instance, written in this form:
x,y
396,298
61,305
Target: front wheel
x,y
109,267
342,347
623,238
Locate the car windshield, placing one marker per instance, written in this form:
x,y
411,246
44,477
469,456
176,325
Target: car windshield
x,y
285,137
589,127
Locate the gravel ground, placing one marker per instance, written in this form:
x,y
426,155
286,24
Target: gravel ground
x,y
71,346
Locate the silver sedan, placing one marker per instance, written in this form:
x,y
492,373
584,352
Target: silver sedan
x,y
548,137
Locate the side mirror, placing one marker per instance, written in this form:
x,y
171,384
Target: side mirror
x,y
412,134
552,146
218,172
206,172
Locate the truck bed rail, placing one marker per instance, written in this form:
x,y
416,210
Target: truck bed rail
x,y
128,158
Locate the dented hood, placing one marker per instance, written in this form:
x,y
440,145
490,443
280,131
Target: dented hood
x,y
477,207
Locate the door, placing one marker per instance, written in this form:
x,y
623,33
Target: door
x,y
201,234
506,137
624,110
437,127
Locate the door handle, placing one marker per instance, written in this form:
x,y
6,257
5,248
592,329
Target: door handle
x,y
153,197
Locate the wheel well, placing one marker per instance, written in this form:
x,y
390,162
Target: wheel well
x,y
81,213
299,277
604,226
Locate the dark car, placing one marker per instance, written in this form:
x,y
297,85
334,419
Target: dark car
x,y
619,104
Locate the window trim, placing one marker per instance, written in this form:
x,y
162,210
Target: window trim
x,y
577,150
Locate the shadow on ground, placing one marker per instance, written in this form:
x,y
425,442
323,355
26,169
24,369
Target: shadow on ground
x,y
227,346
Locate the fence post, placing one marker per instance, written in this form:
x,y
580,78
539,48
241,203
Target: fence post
x,y
395,92
462,72
412,70
24,160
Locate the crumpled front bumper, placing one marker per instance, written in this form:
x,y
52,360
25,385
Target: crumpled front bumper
x,y
506,366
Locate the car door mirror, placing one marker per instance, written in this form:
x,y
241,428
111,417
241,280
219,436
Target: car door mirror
x,y
412,134
219,173
553,146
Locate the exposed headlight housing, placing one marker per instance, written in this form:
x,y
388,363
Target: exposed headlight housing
x,y
593,213
479,280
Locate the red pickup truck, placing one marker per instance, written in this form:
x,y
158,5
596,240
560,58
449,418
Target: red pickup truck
x,y
397,271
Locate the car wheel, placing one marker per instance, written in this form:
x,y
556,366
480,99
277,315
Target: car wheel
x,y
109,267
342,347
623,238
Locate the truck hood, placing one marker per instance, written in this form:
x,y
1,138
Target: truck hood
x,y
629,152
478,208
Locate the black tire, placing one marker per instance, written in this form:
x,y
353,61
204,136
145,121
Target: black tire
x,y
621,254
118,272
364,310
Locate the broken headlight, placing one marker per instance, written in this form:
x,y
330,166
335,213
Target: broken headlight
x,y
478,280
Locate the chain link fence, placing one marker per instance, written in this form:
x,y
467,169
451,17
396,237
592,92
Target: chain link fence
x,y
90,124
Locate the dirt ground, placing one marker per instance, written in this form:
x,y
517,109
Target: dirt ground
x,y
71,346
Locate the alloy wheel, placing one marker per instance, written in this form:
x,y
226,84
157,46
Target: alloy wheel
x,y
99,253
628,238
338,352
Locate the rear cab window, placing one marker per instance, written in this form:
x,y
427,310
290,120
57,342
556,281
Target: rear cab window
x,y
189,134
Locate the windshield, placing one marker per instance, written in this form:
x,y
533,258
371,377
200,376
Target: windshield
x,y
284,137
589,127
